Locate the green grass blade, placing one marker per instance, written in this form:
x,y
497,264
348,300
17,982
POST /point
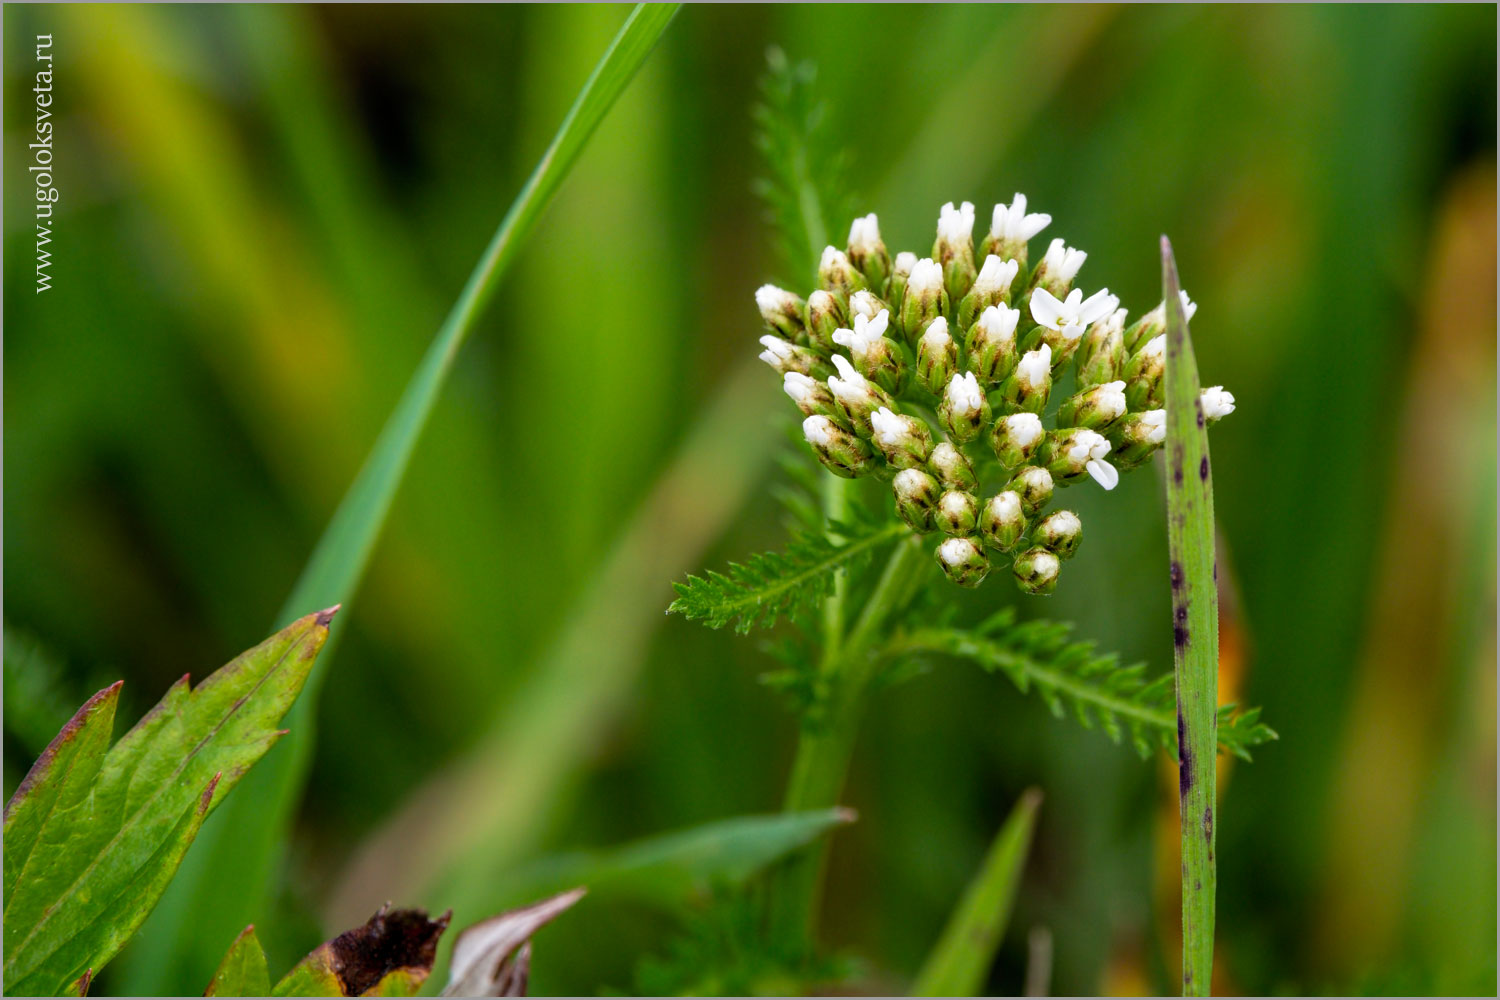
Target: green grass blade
x,y
226,882
668,868
1195,632
960,961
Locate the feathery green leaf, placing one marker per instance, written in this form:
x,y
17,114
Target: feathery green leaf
x,y
772,584
1070,675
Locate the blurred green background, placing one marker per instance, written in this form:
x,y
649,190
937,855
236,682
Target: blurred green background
x,y
266,211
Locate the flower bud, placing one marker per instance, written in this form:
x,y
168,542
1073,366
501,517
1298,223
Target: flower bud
x,y
1143,374
957,513
1094,408
992,344
782,311
1002,522
991,288
954,248
1033,484
1154,324
1030,384
901,269
867,304
1217,403
963,409
916,498
837,275
905,441
810,395
1036,571
788,357
1058,268
964,561
837,448
857,396
1136,437
867,251
1059,533
1101,354
925,298
1017,438
1011,229
875,356
824,315
937,356
1061,322
952,467
1079,452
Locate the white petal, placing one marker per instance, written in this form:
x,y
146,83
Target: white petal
x,y
1045,308
1104,474
1032,225
1097,306
845,338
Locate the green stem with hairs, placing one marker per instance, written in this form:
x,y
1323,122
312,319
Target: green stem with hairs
x,y
826,744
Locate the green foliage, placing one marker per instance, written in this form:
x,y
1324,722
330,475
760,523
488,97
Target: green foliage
x,y
1195,632
723,950
36,700
93,835
961,959
806,189
242,973
232,872
1040,656
667,869
772,584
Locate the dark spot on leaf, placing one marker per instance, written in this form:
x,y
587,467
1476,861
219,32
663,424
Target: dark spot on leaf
x,y
1208,824
1177,473
1200,418
1184,758
1197,884
1180,635
391,940
1177,575
1203,469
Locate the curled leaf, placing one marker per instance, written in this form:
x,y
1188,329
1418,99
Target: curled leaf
x,y
493,957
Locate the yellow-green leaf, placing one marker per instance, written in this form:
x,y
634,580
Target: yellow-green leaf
x,y
93,837
243,972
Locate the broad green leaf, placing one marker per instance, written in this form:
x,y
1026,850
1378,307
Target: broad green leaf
x,y
243,972
226,882
1195,631
772,584
960,961
667,868
92,837
389,955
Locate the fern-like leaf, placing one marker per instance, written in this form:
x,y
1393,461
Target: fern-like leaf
x,y
804,189
1069,675
772,584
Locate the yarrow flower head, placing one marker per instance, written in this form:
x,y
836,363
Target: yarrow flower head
x,y
883,339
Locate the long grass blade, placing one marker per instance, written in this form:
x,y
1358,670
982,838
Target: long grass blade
x,y
1195,632
960,961
225,882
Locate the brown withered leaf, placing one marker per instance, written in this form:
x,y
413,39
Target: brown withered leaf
x,y
389,955
493,957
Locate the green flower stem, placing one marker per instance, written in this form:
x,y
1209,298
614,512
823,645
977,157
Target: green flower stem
x,y
826,745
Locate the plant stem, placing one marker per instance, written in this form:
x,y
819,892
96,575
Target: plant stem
x,y
1195,633
825,746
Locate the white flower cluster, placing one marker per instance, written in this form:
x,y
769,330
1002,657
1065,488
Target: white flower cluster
x,y
942,335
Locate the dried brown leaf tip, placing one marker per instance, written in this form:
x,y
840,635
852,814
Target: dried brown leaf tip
x,y
391,954
493,957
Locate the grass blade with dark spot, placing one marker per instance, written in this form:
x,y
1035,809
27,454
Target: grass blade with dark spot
x,y
1195,632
